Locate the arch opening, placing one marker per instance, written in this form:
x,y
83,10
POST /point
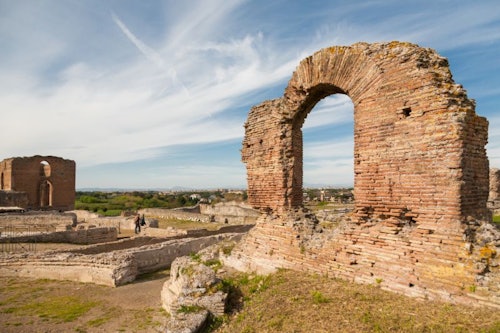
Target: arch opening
x,y
45,193
45,169
328,143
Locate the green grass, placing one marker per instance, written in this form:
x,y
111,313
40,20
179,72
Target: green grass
x,y
496,218
63,306
57,309
319,298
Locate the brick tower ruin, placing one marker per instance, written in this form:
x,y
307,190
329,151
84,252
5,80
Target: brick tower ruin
x,y
421,177
37,182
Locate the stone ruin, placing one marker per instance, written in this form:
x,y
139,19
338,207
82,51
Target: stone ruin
x,y
494,196
37,182
420,225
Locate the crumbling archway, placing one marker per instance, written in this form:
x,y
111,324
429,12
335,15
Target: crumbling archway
x,y
419,147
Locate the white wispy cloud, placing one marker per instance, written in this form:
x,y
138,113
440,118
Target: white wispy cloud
x,y
99,83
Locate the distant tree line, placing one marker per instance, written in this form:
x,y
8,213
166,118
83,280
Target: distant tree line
x,y
113,203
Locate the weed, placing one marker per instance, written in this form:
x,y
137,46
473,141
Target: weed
x,y
195,256
215,264
227,249
259,283
319,298
189,270
379,281
189,309
248,330
213,323
276,324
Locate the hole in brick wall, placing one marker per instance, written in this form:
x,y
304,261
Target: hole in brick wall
x,y
406,112
328,143
410,285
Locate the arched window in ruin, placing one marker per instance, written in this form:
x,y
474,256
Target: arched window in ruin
x,y
328,143
46,190
45,169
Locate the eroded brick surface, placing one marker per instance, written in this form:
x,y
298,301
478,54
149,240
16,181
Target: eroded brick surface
x,y
421,177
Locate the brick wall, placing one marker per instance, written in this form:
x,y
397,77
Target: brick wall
x,y
30,174
13,199
420,186
419,147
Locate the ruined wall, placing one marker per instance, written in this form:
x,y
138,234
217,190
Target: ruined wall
x,y
13,199
230,212
173,232
48,181
421,177
107,268
176,214
419,147
494,195
418,262
80,236
38,219
224,212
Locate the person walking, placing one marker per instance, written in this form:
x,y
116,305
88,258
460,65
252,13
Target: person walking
x,y
137,222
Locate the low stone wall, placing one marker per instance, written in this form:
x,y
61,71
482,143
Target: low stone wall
x,y
118,222
109,268
164,233
83,215
231,212
80,236
13,198
38,218
223,212
176,214
160,256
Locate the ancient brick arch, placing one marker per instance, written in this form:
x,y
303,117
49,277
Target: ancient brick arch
x,y
419,147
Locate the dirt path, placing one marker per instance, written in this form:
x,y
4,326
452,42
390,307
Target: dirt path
x,y
28,305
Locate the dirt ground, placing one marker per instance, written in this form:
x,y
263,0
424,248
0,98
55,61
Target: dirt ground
x,y
28,305
283,302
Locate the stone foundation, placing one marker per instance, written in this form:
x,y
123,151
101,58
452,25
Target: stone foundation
x,y
120,265
419,261
80,236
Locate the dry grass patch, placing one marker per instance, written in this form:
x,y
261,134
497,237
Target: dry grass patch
x,y
294,302
28,305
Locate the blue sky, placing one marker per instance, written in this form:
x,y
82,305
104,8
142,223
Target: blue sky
x,y
154,94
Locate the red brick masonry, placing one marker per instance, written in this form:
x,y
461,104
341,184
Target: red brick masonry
x,y
420,225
